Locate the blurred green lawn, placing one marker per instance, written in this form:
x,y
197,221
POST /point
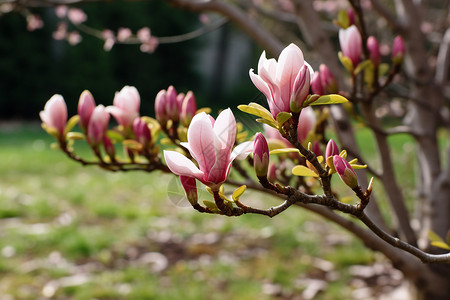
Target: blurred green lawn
x,y
73,232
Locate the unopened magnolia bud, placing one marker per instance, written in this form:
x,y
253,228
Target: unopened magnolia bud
x,y
327,79
109,147
54,115
272,173
316,148
398,50
188,109
316,84
301,87
374,50
86,106
345,171
190,188
141,131
160,108
351,16
351,44
306,123
172,107
260,155
98,124
332,149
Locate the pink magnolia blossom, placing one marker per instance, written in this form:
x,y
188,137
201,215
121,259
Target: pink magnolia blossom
x,y
188,108
76,16
126,105
144,34
86,106
327,79
285,81
110,39
61,31
61,11
260,155
332,149
190,188
316,84
54,114
98,124
398,49
210,143
345,171
34,22
74,38
351,43
142,132
150,45
374,50
306,123
123,34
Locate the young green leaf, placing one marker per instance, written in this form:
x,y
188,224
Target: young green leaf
x,y
329,99
238,192
303,171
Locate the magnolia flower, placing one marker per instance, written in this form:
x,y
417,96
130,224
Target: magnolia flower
x,y
374,50
345,171
284,82
98,124
126,105
188,108
260,155
76,16
351,44
398,50
327,79
210,143
54,115
332,149
306,123
316,84
86,106
142,131
190,188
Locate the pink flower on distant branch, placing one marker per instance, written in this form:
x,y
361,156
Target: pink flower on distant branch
x,y
110,39
61,31
54,114
61,11
285,81
123,34
74,38
125,105
76,16
210,143
34,22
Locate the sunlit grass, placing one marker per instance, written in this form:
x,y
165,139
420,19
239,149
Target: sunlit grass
x,y
76,232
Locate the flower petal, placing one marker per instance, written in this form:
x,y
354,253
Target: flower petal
x,y
242,150
201,141
181,165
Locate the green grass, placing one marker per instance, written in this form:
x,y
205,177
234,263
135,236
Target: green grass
x,y
124,239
